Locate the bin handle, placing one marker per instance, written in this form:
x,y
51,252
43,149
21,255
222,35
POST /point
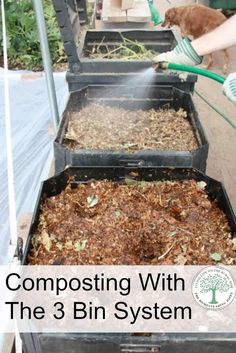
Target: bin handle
x,y
131,163
140,348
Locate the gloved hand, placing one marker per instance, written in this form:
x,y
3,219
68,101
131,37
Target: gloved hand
x,y
183,54
229,87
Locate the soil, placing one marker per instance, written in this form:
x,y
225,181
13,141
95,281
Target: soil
x,y
60,67
57,67
133,222
97,126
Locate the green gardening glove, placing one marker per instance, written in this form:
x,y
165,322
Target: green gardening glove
x,y
183,54
229,87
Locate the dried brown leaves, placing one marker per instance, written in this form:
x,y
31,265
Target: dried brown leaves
x,y
102,127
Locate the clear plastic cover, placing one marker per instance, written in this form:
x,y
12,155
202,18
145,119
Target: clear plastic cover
x,y
32,140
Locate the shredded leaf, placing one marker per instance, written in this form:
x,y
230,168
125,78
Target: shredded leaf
x,y
181,260
92,201
130,181
216,257
46,240
59,245
234,243
117,213
118,128
171,234
80,245
142,184
69,244
202,185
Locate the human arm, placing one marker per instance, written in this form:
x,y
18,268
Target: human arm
x,y
220,38
190,52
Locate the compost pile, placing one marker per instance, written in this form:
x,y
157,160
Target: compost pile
x,y
126,50
98,126
133,222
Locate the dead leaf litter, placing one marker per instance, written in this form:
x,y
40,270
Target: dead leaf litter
x,y
99,126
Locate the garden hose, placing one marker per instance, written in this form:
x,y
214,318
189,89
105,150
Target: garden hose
x,y
202,72
195,70
225,117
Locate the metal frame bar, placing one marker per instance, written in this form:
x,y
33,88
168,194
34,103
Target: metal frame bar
x,y
46,61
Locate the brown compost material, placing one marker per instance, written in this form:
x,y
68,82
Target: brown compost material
x,y
135,222
102,127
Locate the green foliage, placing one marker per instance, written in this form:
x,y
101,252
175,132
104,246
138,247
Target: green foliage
x,y
215,256
22,35
90,10
141,184
80,245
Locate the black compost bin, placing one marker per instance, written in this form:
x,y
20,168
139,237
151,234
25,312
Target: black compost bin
x,y
185,82
116,71
124,342
110,41
131,99
84,70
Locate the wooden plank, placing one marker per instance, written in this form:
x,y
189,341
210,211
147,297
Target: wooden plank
x,y
140,12
100,25
127,4
111,11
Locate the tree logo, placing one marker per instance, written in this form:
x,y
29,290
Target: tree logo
x,y
213,288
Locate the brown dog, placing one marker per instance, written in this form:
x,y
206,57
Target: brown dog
x,y
196,20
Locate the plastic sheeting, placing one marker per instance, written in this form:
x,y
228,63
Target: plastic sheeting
x,y
32,139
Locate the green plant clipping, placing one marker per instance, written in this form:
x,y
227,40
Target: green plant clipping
x,y
80,245
46,240
216,257
234,244
130,181
92,201
22,35
118,213
127,50
141,184
171,234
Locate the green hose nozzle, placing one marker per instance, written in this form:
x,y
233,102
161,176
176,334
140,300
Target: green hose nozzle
x,y
156,16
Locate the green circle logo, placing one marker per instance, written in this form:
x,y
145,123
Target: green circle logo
x,y
213,288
